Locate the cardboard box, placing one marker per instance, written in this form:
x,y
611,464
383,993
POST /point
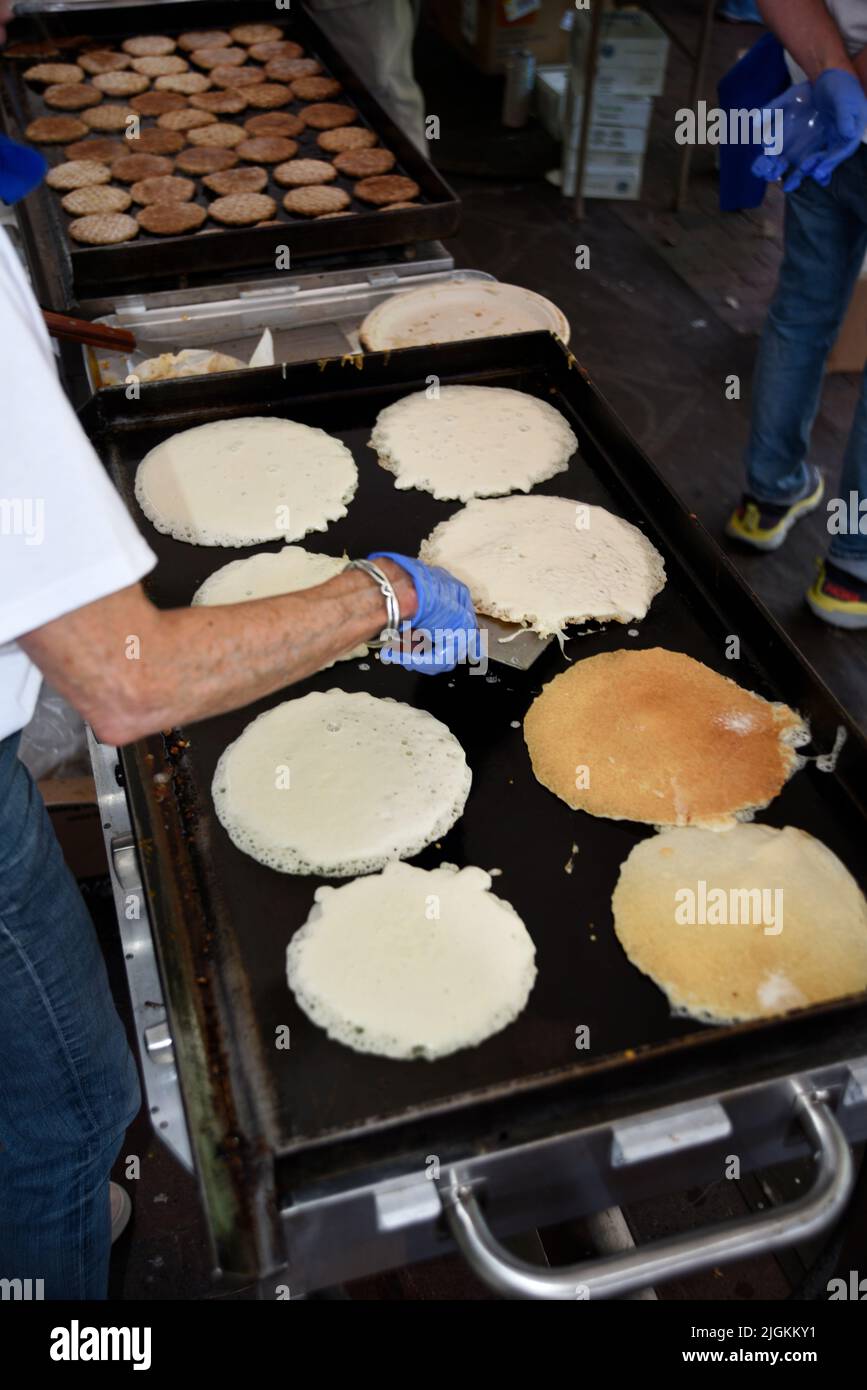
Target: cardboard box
x,y
74,813
632,56
486,31
618,122
849,353
607,175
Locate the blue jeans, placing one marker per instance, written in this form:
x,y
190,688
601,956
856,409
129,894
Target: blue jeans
x,y
825,244
68,1083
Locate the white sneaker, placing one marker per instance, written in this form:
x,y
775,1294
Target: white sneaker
x,y
121,1209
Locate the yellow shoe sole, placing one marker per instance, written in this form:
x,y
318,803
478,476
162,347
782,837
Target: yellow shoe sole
x,y
838,612
747,530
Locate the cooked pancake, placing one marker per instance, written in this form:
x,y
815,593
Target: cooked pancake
x,y
547,562
239,482
742,925
380,975
655,736
293,791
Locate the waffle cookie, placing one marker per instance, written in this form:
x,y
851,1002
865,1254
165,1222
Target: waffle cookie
x,y
171,218
327,115
298,173
274,123
315,200
386,188
163,188
132,167
77,173
349,137
103,229
361,164
72,96
242,209
267,149
96,198
247,179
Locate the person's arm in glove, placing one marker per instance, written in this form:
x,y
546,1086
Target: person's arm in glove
x,y
820,139
822,125
443,629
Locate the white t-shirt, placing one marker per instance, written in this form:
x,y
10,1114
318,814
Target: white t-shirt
x,y
66,537
850,16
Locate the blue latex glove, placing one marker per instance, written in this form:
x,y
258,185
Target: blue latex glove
x,y
823,123
443,630
840,97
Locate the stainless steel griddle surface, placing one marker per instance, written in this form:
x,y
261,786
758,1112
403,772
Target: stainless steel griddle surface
x,y
319,1090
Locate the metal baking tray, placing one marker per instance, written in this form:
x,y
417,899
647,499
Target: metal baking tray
x,y
69,273
280,1121
308,319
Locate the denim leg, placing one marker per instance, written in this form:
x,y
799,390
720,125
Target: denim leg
x,y
825,243
68,1083
850,545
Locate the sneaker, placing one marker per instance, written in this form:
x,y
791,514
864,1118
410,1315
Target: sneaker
x,y
837,597
765,525
121,1209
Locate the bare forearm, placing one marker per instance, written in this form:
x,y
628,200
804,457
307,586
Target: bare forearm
x,y
807,31
131,669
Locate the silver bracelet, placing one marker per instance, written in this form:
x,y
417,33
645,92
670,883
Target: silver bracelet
x,y
386,588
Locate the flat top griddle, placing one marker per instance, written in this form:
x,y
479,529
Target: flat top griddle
x,y
238,916
152,260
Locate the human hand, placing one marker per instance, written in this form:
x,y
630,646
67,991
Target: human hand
x,y
822,125
840,97
440,632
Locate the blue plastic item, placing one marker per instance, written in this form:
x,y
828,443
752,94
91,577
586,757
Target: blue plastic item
x,y
21,169
756,81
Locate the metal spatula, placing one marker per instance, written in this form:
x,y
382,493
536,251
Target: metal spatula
x,y
511,644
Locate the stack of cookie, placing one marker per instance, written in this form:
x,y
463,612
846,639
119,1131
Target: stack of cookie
x,y
162,134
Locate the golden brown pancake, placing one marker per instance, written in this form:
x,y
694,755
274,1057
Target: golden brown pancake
x,y
741,924
655,736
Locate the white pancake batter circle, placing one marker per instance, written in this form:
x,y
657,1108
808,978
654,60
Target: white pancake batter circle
x,y
472,441
270,573
546,562
240,482
340,784
412,963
